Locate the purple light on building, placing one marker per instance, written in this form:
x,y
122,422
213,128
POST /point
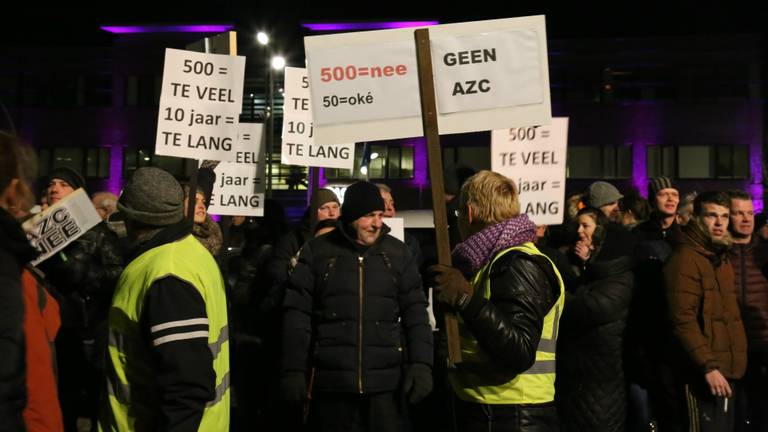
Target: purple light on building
x,y
639,167
192,28
322,181
350,26
420,161
755,187
644,131
115,180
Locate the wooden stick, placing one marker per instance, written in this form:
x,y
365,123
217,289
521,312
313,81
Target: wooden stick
x,y
429,120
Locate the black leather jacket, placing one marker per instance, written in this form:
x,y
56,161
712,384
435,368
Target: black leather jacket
x,y
84,275
508,325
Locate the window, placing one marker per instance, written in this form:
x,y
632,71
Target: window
x,y
92,162
599,162
134,159
660,161
97,162
385,162
142,91
98,90
713,161
70,157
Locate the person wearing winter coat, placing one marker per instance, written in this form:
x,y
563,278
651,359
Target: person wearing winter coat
x,y
15,252
84,275
509,298
590,371
355,327
706,320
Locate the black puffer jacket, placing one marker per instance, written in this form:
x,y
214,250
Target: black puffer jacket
x,y
590,387
360,314
15,251
84,275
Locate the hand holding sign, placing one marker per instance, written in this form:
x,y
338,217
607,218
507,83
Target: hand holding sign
x,y
60,224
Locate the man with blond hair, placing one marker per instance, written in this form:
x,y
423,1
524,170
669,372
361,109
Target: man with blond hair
x,y
509,297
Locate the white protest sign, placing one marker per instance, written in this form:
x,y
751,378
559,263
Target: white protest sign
x,y
534,157
50,231
491,70
358,83
518,90
397,227
239,187
299,147
200,104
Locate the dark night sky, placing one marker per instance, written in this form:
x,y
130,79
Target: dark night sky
x,y
72,25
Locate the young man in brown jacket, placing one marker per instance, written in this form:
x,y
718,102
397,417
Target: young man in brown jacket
x,y
749,256
705,315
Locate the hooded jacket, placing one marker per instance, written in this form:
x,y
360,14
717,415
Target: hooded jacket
x,y
703,305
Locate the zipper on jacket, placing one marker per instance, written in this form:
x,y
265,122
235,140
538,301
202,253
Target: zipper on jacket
x,y
360,326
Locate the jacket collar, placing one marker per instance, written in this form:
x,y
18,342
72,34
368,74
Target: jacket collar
x,y
165,235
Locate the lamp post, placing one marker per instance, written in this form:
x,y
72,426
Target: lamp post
x,y
277,63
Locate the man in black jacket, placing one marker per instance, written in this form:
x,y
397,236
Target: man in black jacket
x,y
84,275
509,313
354,302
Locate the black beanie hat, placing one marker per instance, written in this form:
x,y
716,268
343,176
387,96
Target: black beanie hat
x,y
69,175
658,183
360,199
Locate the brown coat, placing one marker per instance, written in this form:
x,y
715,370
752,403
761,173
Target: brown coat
x,y
703,304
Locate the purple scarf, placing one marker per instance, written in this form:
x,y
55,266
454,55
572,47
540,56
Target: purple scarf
x,y
481,247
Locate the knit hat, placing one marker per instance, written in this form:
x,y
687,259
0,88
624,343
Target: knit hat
x,y
153,197
69,175
658,183
325,196
601,193
360,199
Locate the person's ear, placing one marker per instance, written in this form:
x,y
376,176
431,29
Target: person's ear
x,y
470,215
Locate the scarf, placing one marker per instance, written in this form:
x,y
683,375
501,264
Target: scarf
x,y
481,247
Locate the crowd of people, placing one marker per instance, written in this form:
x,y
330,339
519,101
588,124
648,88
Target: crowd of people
x,y
635,314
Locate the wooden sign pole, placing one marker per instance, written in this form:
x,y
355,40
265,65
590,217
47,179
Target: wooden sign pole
x,y
429,120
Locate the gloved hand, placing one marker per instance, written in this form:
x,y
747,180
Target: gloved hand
x,y
450,286
417,383
293,387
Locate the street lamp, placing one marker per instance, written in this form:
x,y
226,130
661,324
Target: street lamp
x,y
262,37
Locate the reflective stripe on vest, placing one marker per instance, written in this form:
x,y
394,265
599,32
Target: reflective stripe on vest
x,y
132,399
480,379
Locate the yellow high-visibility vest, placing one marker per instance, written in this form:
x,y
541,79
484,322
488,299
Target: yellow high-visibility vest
x,y
479,379
132,402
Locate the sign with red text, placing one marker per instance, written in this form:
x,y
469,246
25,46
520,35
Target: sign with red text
x,y
299,147
534,157
488,75
200,104
60,224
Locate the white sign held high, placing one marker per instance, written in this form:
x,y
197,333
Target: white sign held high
x,y
239,187
485,73
534,157
299,147
200,104
61,223
359,83
490,70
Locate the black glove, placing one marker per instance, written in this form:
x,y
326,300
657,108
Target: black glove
x,y
450,286
418,382
293,387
